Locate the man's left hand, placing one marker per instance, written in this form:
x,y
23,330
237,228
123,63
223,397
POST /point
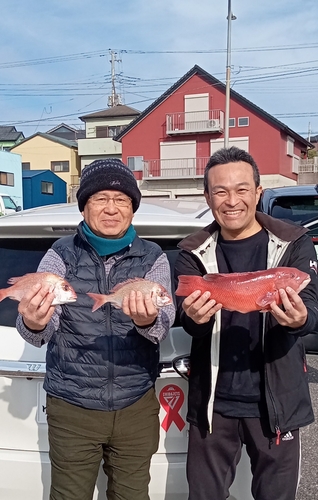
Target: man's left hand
x,y
140,308
295,313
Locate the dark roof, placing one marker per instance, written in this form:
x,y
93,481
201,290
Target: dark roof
x,y
119,110
197,70
50,137
27,174
314,138
33,173
66,132
8,133
61,125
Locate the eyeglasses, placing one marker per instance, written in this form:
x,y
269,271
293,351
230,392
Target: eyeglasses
x,y
102,201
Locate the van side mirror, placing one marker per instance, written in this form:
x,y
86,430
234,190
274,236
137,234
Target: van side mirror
x,y
18,209
181,365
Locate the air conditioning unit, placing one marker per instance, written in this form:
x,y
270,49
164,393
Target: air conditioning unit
x,y
214,123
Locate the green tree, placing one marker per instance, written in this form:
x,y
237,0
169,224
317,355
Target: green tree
x,y
312,153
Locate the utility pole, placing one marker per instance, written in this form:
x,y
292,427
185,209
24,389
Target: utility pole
x,y
114,99
309,132
230,18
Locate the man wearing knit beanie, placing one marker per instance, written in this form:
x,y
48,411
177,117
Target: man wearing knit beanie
x,y
109,173
101,366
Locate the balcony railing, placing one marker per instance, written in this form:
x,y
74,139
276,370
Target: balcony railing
x,y
175,168
194,122
309,166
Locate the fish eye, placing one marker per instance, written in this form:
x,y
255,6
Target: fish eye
x,y
65,287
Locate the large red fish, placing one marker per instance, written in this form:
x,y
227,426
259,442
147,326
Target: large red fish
x,y
245,292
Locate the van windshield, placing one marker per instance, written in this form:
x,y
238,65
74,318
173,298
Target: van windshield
x,y
299,209
9,203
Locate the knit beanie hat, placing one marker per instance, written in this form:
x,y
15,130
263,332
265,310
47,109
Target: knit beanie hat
x,y
107,174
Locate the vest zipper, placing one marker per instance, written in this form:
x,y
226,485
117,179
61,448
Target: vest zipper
x,y
276,419
277,428
277,435
110,399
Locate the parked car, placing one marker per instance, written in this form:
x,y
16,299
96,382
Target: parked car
x,y
296,203
24,461
8,205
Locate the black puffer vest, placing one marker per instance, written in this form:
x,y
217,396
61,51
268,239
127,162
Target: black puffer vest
x,y
98,360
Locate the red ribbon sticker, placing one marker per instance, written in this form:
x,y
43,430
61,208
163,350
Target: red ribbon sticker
x,y
171,398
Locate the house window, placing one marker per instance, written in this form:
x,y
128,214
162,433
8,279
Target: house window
x,y
108,131
60,166
26,165
231,122
47,187
290,146
101,132
135,162
243,121
6,179
295,166
239,142
113,131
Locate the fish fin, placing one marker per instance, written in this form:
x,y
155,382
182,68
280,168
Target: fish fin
x,y
185,286
3,294
119,286
267,299
14,280
98,299
214,276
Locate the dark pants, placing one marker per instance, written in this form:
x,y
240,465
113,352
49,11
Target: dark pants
x,y
81,439
212,459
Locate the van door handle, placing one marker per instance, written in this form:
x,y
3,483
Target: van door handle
x,y
22,369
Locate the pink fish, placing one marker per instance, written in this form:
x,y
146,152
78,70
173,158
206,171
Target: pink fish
x,y
159,294
20,285
245,292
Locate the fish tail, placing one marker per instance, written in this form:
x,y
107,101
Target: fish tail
x,y
98,299
186,285
3,294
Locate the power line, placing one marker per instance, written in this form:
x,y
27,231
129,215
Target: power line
x,y
104,53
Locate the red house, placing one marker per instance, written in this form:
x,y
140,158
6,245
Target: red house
x,y
174,137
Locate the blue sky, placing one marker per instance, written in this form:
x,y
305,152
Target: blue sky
x,y
54,62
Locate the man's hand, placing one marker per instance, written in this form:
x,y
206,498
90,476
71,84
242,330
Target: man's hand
x,y
199,307
36,307
295,314
140,308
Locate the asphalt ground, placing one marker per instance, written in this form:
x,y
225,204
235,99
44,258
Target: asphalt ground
x,y
308,486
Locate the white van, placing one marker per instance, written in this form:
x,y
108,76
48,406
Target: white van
x,y
8,205
24,461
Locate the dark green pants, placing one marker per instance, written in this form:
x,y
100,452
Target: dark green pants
x,y
81,439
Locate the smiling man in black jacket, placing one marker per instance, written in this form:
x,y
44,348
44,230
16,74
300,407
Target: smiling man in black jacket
x,y
248,381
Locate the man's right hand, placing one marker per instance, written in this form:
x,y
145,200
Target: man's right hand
x,y
36,307
199,307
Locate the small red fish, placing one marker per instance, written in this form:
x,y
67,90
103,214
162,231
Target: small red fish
x,y
20,285
159,294
245,292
